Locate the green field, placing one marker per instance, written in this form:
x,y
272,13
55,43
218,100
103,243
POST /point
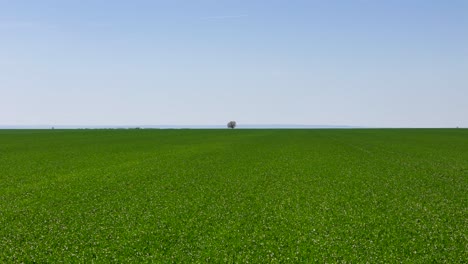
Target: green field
x,y
375,195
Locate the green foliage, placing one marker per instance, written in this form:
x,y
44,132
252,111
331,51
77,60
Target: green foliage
x,y
348,196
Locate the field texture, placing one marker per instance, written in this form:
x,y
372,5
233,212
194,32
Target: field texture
x,y
234,196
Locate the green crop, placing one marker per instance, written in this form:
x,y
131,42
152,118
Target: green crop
x,y
347,196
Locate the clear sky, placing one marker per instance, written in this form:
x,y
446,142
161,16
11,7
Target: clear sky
x,y
389,63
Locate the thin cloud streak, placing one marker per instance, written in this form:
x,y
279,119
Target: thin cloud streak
x,y
223,17
18,25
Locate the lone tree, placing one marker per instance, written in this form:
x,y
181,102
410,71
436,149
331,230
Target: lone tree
x,y
231,124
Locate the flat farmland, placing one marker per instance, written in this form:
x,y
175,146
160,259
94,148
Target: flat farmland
x,y
148,195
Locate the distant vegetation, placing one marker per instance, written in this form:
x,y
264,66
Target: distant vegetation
x,y
132,196
232,124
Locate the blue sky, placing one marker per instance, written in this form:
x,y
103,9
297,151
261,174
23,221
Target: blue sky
x,y
355,62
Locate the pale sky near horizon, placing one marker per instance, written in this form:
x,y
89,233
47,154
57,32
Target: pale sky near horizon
x,y
398,63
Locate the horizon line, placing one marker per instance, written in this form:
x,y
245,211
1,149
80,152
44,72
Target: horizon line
x,y
239,126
